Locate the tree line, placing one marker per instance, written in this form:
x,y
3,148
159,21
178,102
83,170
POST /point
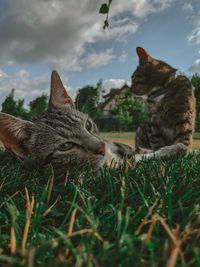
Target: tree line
x,y
128,114
17,108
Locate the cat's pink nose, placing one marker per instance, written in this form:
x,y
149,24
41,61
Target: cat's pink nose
x,y
102,150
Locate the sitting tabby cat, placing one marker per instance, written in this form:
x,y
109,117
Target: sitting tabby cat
x,y
171,107
62,136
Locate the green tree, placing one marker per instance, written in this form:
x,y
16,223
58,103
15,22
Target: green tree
x,y
14,107
138,111
195,80
88,99
130,112
38,106
123,114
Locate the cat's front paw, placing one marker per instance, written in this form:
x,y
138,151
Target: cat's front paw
x,y
181,148
172,150
141,150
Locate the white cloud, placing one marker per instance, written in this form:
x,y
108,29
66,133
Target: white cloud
x,y
47,31
139,9
120,29
25,86
194,37
3,75
195,34
114,83
187,7
30,88
95,60
195,67
55,32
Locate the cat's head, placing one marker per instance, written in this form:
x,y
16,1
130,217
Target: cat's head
x,y
62,136
150,73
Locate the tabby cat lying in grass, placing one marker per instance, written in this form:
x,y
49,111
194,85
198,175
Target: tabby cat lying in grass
x,y
171,107
62,136
69,139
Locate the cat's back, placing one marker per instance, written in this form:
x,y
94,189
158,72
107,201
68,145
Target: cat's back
x,y
178,102
181,86
177,106
180,96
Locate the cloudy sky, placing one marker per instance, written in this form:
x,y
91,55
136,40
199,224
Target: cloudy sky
x,y
38,36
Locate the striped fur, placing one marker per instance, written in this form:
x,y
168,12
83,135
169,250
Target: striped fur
x,y
171,106
62,136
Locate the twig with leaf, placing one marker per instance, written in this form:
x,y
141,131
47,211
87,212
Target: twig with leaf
x,y
104,9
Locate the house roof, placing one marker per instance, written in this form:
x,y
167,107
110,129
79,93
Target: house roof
x,y
112,94
114,91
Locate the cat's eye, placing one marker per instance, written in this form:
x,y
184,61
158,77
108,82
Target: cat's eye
x,y
65,146
88,125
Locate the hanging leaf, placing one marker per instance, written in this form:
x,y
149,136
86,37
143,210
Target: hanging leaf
x,y
104,9
106,24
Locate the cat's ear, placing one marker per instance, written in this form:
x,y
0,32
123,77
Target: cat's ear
x,y
13,133
142,54
59,96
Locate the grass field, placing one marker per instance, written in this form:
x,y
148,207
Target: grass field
x,y
144,215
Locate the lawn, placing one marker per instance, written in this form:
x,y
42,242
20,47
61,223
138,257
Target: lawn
x,y
125,137
144,215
